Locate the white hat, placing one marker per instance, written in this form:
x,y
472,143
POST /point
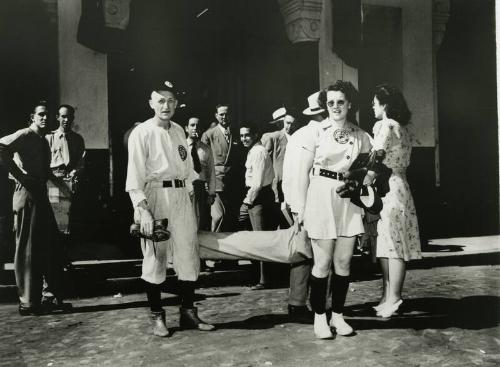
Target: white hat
x,y
278,115
314,107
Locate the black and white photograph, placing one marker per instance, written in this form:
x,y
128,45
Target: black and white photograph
x,y
249,183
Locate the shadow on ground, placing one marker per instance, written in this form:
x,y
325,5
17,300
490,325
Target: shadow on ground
x,y
472,313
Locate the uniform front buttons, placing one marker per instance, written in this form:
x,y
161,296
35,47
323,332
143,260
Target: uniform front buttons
x,y
351,143
347,157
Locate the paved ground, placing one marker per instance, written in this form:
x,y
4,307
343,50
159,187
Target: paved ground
x,y
451,319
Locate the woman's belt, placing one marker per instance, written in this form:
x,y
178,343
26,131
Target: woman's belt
x,y
168,183
317,171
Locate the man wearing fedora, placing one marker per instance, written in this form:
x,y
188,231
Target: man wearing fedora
x,y
159,181
316,114
299,272
275,143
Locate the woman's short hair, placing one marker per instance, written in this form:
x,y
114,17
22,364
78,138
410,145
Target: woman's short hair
x,y
350,92
394,102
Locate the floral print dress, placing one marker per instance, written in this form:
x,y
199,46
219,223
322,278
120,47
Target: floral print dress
x,y
398,234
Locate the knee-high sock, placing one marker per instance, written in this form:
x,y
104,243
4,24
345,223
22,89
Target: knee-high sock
x,y
317,296
340,285
186,291
153,292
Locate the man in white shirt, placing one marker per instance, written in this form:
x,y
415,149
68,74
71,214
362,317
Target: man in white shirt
x,y
300,271
293,149
204,183
159,182
259,199
67,147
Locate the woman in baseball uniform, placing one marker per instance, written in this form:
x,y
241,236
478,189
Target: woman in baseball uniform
x,y
331,222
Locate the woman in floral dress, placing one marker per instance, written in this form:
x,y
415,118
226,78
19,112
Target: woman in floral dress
x,y
398,237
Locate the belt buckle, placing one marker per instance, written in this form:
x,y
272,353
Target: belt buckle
x,y
340,176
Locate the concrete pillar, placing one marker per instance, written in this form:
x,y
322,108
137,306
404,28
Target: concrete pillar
x,y
83,80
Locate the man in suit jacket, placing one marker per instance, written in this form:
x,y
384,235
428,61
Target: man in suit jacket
x,y
229,173
275,143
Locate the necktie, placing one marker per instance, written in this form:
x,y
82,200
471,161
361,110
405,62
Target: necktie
x,y
196,159
64,149
226,134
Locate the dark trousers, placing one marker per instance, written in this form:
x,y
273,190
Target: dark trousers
x,y
200,204
260,217
224,212
299,283
38,251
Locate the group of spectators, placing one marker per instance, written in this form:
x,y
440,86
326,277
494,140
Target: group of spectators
x,y
33,158
322,179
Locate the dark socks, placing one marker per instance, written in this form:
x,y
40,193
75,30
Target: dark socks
x,y
340,285
153,292
186,292
317,297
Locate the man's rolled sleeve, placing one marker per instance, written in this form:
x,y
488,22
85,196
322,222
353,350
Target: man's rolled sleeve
x,y
136,169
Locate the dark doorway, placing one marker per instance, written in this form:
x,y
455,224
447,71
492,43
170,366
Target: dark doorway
x,y
468,122
382,56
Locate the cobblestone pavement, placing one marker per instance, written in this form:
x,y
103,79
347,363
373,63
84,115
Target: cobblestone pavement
x,y
451,319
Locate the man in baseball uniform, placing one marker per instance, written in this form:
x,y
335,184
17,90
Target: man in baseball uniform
x,y
159,182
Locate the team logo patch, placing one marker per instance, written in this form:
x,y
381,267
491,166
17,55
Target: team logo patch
x,y
341,136
182,152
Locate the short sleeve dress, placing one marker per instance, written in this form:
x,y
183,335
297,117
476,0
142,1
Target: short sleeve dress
x,y
335,148
398,234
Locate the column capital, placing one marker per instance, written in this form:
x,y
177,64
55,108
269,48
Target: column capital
x,y
302,19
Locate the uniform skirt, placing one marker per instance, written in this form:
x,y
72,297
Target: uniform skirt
x,y
327,215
